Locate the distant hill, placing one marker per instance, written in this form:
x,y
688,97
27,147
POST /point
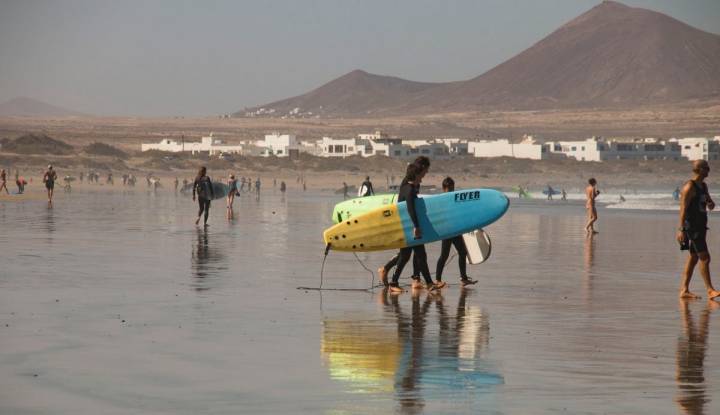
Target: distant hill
x,y
611,56
28,107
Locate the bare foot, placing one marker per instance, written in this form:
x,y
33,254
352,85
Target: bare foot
x,y
416,283
713,294
440,284
689,295
713,305
197,222
595,232
395,289
383,276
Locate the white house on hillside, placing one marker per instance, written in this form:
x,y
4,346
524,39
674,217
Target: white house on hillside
x,y
280,145
700,148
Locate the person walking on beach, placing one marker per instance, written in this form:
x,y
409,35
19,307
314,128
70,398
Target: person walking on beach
x,y
591,193
232,192
563,194
49,179
366,188
550,192
202,186
176,183
424,165
3,181
257,187
283,187
345,191
695,201
448,185
408,194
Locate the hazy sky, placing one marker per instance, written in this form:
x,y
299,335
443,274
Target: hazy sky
x,y
157,58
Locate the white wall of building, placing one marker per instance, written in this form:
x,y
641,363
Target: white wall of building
x,y
504,148
207,144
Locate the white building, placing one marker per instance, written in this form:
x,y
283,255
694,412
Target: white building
x,y
344,147
280,145
208,144
598,149
527,149
700,148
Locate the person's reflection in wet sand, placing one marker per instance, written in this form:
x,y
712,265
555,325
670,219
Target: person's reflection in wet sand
x,y
692,396
49,224
204,261
588,262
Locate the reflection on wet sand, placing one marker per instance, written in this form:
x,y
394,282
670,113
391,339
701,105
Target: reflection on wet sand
x,y
412,361
692,395
588,262
206,261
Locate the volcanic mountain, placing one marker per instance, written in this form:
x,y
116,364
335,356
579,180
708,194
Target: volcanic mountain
x,y
611,56
28,107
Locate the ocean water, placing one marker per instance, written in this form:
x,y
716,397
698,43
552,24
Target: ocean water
x,y
116,303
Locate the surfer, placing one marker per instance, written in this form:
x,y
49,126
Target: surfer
x,y
408,194
550,192
448,185
695,201
283,187
204,189
424,164
3,181
563,194
366,188
257,187
49,179
591,193
232,191
345,191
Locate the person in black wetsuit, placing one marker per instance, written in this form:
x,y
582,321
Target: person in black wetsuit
x,y
424,163
448,185
694,203
367,187
408,194
203,187
49,179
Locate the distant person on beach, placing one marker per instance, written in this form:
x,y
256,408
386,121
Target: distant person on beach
x,y
176,182
202,186
232,192
283,187
563,194
448,185
345,191
676,194
695,201
304,185
110,179
408,193
622,198
49,179
591,193
550,192
3,181
82,177
257,186
366,188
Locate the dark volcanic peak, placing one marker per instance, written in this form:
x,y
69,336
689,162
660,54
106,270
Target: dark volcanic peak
x,y
28,107
357,92
611,56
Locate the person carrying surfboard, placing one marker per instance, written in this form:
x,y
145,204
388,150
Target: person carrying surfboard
x,y
424,163
448,185
202,186
408,194
366,188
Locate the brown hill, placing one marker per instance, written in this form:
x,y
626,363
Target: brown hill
x,y
611,56
357,92
28,107
36,144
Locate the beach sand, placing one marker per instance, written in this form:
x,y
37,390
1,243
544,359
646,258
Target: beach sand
x,y
113,302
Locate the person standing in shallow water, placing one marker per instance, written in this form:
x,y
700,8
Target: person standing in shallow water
x,y
49,179
232,192
591,193
202,186
695,201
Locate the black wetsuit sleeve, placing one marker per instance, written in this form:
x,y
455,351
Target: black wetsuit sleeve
x,y
410,201
195,186
212,191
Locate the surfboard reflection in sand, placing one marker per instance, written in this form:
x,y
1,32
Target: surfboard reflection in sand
x,y
426,354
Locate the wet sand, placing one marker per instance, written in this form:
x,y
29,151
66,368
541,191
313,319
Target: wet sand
x,y
115,303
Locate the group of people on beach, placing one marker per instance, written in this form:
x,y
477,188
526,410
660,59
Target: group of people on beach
x,y
408,193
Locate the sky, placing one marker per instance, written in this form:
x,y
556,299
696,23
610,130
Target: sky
x,y
201,58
